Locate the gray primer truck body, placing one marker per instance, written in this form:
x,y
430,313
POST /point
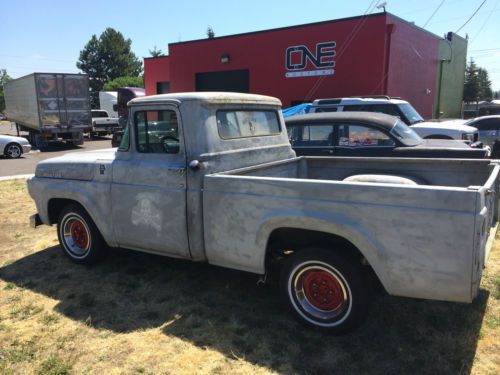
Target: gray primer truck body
x,y
220,200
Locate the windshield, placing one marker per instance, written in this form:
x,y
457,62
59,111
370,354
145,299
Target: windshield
x,y
405,134
410,113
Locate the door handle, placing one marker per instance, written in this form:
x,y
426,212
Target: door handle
x,y
194,165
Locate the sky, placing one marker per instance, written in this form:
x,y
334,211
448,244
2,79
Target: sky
x,y
47,36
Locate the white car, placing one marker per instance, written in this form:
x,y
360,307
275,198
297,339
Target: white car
x,y
450,129
13,147
401,109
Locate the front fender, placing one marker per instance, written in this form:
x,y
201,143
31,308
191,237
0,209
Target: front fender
x,y
92,195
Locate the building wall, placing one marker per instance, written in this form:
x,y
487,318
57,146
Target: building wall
x,y
412,68
374,55
451,76
156,70
358,61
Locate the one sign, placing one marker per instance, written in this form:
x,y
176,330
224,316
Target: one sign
x,y
298,57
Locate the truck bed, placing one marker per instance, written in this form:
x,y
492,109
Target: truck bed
x,y
418,239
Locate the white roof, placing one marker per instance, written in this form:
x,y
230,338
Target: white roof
x,y
208,97
351,101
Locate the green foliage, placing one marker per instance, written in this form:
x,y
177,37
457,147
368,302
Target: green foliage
x,y
4,77
54,365
210,32
107,58
477,84
155,52
126,81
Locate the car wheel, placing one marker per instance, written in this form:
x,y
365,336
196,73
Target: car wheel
x,y
79,237
324,290
13,151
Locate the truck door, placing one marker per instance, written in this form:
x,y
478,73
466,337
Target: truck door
x,y
148,192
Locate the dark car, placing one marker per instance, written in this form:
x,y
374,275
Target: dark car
x,y
488,127
368,134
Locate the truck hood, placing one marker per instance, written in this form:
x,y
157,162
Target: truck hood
x,y
457,125
86,165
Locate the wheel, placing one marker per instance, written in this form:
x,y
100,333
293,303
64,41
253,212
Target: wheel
x,y
13,151
324,290
79,237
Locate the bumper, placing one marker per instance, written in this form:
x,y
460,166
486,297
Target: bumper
x,y
26,148
35,221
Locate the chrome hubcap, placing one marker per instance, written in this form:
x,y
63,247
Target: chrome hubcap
x,y
13,151
321,293
76,236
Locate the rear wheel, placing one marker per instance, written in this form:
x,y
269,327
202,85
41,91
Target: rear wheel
x,y
79,237
13,151
324,290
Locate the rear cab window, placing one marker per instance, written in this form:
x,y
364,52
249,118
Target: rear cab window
x,y
233,124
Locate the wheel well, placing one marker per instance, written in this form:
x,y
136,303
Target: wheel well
x,y
285,241
55,207
438,136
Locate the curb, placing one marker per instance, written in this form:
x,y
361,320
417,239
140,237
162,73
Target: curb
x,y
16,177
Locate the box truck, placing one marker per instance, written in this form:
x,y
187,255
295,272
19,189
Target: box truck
x,y
50,106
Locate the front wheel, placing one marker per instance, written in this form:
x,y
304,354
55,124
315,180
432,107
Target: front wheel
x,y
324,290
13,151
79,237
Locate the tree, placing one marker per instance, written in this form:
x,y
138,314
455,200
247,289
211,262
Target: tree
x,y
126,81
210,32
497,95
107,58
4,77
485,92
156,52
471,85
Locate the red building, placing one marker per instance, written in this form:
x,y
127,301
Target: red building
x,y
379,54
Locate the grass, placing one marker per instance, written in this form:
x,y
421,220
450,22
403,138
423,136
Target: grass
x,y
142,314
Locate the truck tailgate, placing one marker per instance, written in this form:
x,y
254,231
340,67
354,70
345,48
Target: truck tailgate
x,y
486,225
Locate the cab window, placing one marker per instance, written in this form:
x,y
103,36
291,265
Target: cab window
x,y
156,132
311,135
362,136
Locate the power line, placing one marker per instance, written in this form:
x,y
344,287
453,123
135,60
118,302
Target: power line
x,y
485,22
433,13
473,14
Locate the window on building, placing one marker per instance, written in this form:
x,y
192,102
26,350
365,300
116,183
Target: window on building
x,y
162,87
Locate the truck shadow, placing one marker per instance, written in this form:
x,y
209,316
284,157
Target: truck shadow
x,y
224,310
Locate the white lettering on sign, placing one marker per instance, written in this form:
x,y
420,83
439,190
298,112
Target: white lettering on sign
x,y
298,57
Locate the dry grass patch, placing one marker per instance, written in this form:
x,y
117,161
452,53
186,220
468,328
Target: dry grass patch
x,y
141,314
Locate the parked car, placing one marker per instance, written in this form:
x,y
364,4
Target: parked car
x,y
219,182
488,127
102,124
398,108
368,134
13,147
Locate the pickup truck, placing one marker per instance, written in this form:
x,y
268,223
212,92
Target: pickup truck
x,y
211,177
102,124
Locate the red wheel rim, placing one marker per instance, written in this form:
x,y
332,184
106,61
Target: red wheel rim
x,y
323,290
79,234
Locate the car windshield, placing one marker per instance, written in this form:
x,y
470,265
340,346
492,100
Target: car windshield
x,y
410,113
405,134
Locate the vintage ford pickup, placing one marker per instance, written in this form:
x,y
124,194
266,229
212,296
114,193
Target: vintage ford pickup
x,y
212,177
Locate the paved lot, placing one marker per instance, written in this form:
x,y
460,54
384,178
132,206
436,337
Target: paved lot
x,y
26,164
